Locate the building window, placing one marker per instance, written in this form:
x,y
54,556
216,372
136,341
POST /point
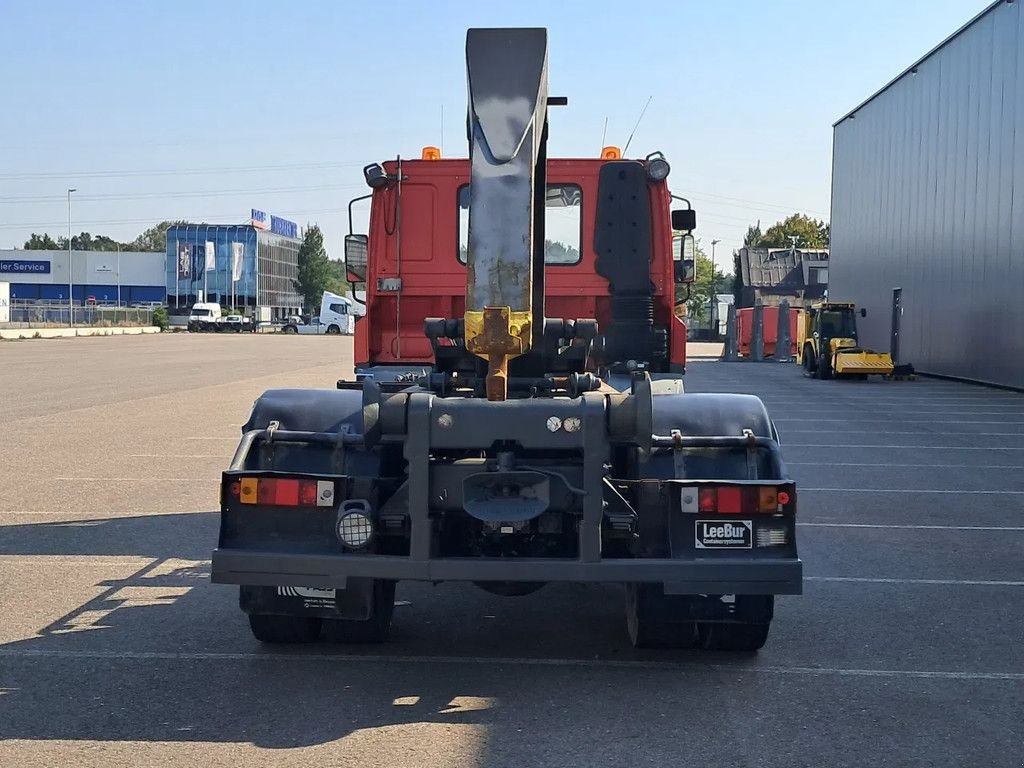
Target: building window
x,y
563,224
817,275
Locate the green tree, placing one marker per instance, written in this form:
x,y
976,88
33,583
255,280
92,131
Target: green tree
x,y
339,278
754,236
40,243
154,238
810,233
315,271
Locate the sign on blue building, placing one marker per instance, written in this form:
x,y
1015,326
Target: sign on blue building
x,y
20,267
275,224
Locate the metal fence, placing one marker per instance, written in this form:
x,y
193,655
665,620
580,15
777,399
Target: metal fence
x,y
60,315
702,329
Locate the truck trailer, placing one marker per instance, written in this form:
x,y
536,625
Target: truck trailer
x,y
518,416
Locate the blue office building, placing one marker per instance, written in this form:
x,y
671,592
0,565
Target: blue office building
x,y
251,267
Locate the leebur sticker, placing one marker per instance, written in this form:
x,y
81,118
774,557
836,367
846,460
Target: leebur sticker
x,y
714,534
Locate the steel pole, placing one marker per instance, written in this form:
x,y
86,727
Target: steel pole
x,y
711,298
71,282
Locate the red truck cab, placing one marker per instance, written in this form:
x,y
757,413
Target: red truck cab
x,y
416,246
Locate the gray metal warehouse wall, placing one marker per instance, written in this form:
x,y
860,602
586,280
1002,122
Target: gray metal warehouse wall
x,y
923,184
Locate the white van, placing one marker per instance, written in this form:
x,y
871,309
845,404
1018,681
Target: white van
x,y
204,316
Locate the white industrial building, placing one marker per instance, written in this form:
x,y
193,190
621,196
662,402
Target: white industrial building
x,y
103,277
928,206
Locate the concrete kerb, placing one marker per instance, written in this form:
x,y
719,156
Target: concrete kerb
x,y
12,334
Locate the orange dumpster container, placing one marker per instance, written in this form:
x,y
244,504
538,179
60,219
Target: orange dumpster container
x,y
745,329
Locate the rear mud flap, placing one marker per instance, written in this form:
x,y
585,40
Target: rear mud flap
x,y
355,602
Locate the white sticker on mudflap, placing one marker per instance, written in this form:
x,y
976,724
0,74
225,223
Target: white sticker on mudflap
x,y
312,597
719,534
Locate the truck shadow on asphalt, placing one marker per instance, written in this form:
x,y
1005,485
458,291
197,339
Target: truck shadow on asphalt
x,y
157,653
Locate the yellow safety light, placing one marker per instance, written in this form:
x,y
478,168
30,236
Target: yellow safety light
x,y
247,490
430,153
611,153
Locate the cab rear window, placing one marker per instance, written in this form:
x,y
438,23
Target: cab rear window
x,y
563,224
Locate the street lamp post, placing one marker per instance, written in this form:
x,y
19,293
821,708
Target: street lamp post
x,y
711,298
71,283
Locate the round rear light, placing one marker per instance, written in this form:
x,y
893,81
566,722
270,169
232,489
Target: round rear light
x,y
354,529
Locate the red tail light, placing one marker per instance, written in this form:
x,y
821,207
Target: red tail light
x,y
708,499
307,493
279,492
283,491
730,500
736,499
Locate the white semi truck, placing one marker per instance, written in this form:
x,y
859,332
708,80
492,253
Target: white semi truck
x,y
337,317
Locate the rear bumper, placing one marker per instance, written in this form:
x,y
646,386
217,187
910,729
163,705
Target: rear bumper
x,y
718,576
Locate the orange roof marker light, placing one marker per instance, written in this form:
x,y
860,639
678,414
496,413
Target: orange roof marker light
x,y
611,153
430,153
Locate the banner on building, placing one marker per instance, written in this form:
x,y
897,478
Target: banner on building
x,y
237,250
211,256
198,259
184,261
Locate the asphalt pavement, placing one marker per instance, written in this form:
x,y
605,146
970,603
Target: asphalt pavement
x,y
115,650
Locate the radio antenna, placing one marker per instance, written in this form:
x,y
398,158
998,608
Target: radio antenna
x,y
642,111
604,134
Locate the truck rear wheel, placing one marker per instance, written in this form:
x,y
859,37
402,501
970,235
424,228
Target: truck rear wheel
x,y
657,620
374,629
269,628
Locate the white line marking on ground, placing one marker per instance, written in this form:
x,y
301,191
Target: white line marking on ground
x,y
832,446
908,490
740,668
1004,422
927,582
893,464
892,432
915,527
937,404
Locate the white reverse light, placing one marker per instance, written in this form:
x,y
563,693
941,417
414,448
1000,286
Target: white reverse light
x,y
688,499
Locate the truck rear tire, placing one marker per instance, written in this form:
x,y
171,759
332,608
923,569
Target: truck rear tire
x,y
653,618
275,629
374,629
333,330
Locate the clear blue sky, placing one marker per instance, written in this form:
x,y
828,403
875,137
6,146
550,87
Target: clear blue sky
x,y
203,110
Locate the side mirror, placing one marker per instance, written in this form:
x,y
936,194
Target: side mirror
x,y
355,257
685,271
684,220
863,312
685,259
